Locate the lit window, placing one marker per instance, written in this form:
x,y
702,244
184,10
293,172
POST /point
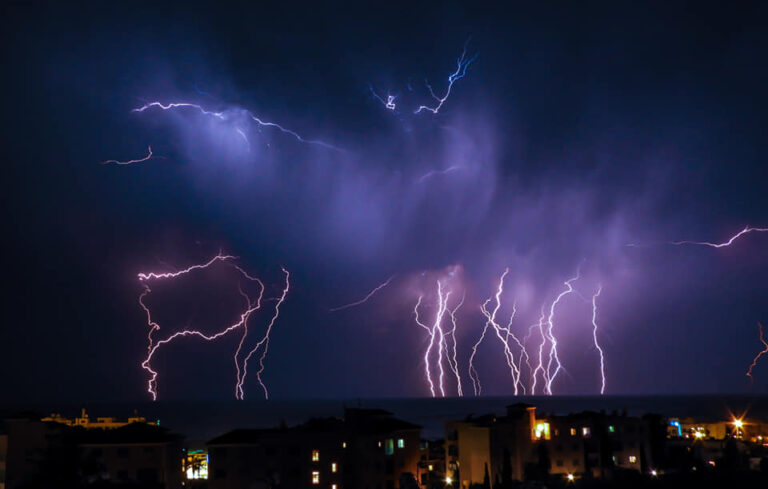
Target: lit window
x,y
585,431
379,444
334,467
315,477
611,429
632,459
400,443
315,455
541,431
573,431
431,468
343,444
334,486
389,448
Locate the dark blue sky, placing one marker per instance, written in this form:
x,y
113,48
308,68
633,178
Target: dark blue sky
x,y
577,130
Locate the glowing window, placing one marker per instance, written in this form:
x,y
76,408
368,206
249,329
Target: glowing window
x,y
315,477
542,431
632,459
315,455
389,448
334,467
400,443
343,444
611,429
334,486
585,431
573,431
431,468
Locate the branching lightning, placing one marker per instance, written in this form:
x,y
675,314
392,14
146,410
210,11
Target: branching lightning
x,y
437,340
149,156
264,342
462,63
763,352
252,304
231,113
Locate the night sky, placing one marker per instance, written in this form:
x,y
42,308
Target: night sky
x,y
579,129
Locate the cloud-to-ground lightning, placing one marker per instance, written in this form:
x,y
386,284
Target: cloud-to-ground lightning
x,y
149,156
462,63
529,367
389,103
594,337
231,113
729,242
554,359
511,344
364,299
252,304
264,342
763,352
437,339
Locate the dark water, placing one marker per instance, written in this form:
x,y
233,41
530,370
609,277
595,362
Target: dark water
x,y
200,421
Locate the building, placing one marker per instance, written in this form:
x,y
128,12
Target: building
x,y
137,453
367,449
522,446
54,454
490,448
85,421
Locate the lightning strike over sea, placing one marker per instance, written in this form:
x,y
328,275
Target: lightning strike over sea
x,y
437,340
762,352
252,304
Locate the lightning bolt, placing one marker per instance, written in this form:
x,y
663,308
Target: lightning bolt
x,y
149,156
265,342
438,172
491,322
389,103
364,299
462,63
231,113
553,357
733,238
437,340
763,352
594,337
252,305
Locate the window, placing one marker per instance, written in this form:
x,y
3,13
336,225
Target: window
x,y
334,486
573,431
611,429
315,455
343,444
586,431
400,443
541,430
576,462
453,450
632,459
559,463
315,477
334,467
389,447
